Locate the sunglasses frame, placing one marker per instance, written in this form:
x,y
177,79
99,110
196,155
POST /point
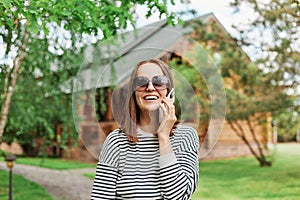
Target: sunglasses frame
x,y
143,87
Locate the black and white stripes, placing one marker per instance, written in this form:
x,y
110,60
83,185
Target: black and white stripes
x,y
129,170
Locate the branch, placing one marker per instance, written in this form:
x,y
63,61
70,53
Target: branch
x,y
10,89
7,75
255,138
243,137
235,129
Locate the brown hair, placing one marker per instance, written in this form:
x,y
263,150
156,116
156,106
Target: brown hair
x,y
131,115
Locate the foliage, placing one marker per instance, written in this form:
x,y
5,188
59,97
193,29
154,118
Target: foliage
x,y
250,94
74,15
22,188
43,42
272,36
39,103
288,123
279,21
199,87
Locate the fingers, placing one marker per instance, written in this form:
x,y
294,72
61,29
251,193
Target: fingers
x,y
168,107
169,117
168,102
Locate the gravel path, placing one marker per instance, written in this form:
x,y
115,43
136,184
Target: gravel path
x,y
61,184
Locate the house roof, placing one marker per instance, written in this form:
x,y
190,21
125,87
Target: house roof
x,y
123,54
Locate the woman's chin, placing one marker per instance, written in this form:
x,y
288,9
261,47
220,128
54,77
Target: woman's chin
x,y
151,108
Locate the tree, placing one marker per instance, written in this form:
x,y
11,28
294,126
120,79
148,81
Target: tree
x,y
32,30
39,105
250,95
272,36
275,29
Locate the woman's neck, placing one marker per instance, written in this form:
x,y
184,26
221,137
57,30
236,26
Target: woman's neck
x,y
149,122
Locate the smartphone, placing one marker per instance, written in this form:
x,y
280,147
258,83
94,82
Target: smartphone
x,y
170,95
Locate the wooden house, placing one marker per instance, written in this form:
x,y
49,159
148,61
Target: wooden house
x,y
109,64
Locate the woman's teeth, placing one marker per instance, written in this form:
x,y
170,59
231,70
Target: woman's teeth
x,y
151,98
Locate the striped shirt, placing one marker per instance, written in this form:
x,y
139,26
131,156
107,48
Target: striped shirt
x,y
128,170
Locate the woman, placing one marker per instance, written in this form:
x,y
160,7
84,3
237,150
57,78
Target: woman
x,y
148,157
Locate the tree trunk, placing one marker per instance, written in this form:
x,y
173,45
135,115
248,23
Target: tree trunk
x,y
11,86
265,163
262,159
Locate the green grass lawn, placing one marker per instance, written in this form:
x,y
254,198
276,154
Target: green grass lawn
x,y
89,175
243,178
54,163
235,179
22,188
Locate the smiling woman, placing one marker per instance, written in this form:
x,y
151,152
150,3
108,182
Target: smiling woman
x,y
148,157
149,94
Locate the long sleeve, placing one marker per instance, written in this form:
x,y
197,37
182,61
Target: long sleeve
x,y
179,178
104,186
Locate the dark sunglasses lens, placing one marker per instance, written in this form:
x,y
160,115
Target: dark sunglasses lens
x,y
160,82
140,83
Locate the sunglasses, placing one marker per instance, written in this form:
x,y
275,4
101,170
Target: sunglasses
x,y
140,83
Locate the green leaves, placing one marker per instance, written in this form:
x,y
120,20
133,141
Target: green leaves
x,y
274,34
75,15
53,56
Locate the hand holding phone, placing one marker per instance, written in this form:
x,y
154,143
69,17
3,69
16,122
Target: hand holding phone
x,y
170,95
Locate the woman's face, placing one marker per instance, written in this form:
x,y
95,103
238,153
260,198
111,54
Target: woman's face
x,y
151,97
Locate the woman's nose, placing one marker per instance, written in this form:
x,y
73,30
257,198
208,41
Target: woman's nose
x,y
150,86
